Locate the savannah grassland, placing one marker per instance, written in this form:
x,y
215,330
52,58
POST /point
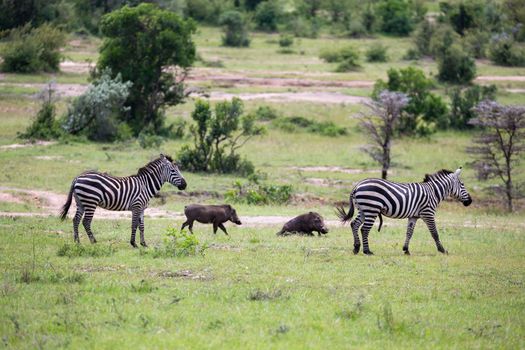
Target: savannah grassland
x,y
251,289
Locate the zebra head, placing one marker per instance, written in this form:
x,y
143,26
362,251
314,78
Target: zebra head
x,y
173,176
459,191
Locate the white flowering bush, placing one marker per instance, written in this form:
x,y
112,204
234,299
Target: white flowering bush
x,y
95,113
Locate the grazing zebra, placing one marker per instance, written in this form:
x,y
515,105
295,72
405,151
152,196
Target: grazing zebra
x,y
376,197
92,189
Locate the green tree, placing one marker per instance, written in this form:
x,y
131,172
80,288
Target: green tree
x,y
235,31
267,15
217,135
422,102
456,66
396,17
462,102
16,13
142,44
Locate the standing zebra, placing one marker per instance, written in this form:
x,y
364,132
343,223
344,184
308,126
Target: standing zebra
x,y
376,197
92,189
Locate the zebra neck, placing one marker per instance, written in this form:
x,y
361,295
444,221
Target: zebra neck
x,y
153,183
441,189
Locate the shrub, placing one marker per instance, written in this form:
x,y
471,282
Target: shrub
x,y
96,112
267,15
217,136
178,244
349,60
257,193
422,37
442,39
292,124
505,51
33,50
476,42
377,53
396,17
462,102
416,85
412,55
45,126
285,40
148,140
235,31
304,28
456,66
266,113
77,250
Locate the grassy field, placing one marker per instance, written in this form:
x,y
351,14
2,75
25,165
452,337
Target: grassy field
x,y
254,290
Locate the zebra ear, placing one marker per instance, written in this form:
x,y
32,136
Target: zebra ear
x,y
162,156
458,172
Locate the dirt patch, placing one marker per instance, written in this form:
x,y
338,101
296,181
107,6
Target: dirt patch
x,y
516,91
29,144
186,274
316,97
326,182
501,78
9,198
75,67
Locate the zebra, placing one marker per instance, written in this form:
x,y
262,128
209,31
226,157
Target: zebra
x,y
377,197
131,193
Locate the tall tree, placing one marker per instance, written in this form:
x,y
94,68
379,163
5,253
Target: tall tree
x,y
380,123
153,49
498,147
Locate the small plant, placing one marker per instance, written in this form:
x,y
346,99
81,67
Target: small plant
x,y
143,286
285,40
347,57
412,55
506,52
179,244
45,126
385,321
261,295
377,53
147,140
77,250
266,113
257,193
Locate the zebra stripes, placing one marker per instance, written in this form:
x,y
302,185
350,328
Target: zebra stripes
x,y
93,189
377,197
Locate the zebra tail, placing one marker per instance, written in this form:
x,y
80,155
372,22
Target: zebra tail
x,y
342,215
380,222
65,208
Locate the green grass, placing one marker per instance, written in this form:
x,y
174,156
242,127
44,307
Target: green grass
x,y
253,290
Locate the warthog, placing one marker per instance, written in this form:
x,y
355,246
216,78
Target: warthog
x,y
210,214
305,224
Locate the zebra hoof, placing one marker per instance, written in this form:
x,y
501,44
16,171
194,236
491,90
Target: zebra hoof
x,y
407,252
356,249
133,244
143,244
443,250
368,252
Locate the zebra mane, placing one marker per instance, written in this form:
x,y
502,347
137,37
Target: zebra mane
x,y
145,169
432,177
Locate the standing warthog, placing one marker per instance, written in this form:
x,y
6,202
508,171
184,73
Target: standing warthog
x,y
305,224
210,214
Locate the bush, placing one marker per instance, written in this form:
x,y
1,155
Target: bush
x,y
235,31
217,136
256,193
416,85
267,15
505,51
422,37
442,39
462,102
147,140
396,17
266,113
476,42
293,124
96,113
456,66
285,40
412,55
179,244
347,57
33,50
304,28
45,126
377,53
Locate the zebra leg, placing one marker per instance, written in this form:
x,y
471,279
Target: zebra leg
x,y
76,222
86,222
367,226
410,231
355,231
141,228
431,224
135,218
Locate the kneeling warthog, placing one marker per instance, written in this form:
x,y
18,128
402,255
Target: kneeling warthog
x,y
305,224
210,214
